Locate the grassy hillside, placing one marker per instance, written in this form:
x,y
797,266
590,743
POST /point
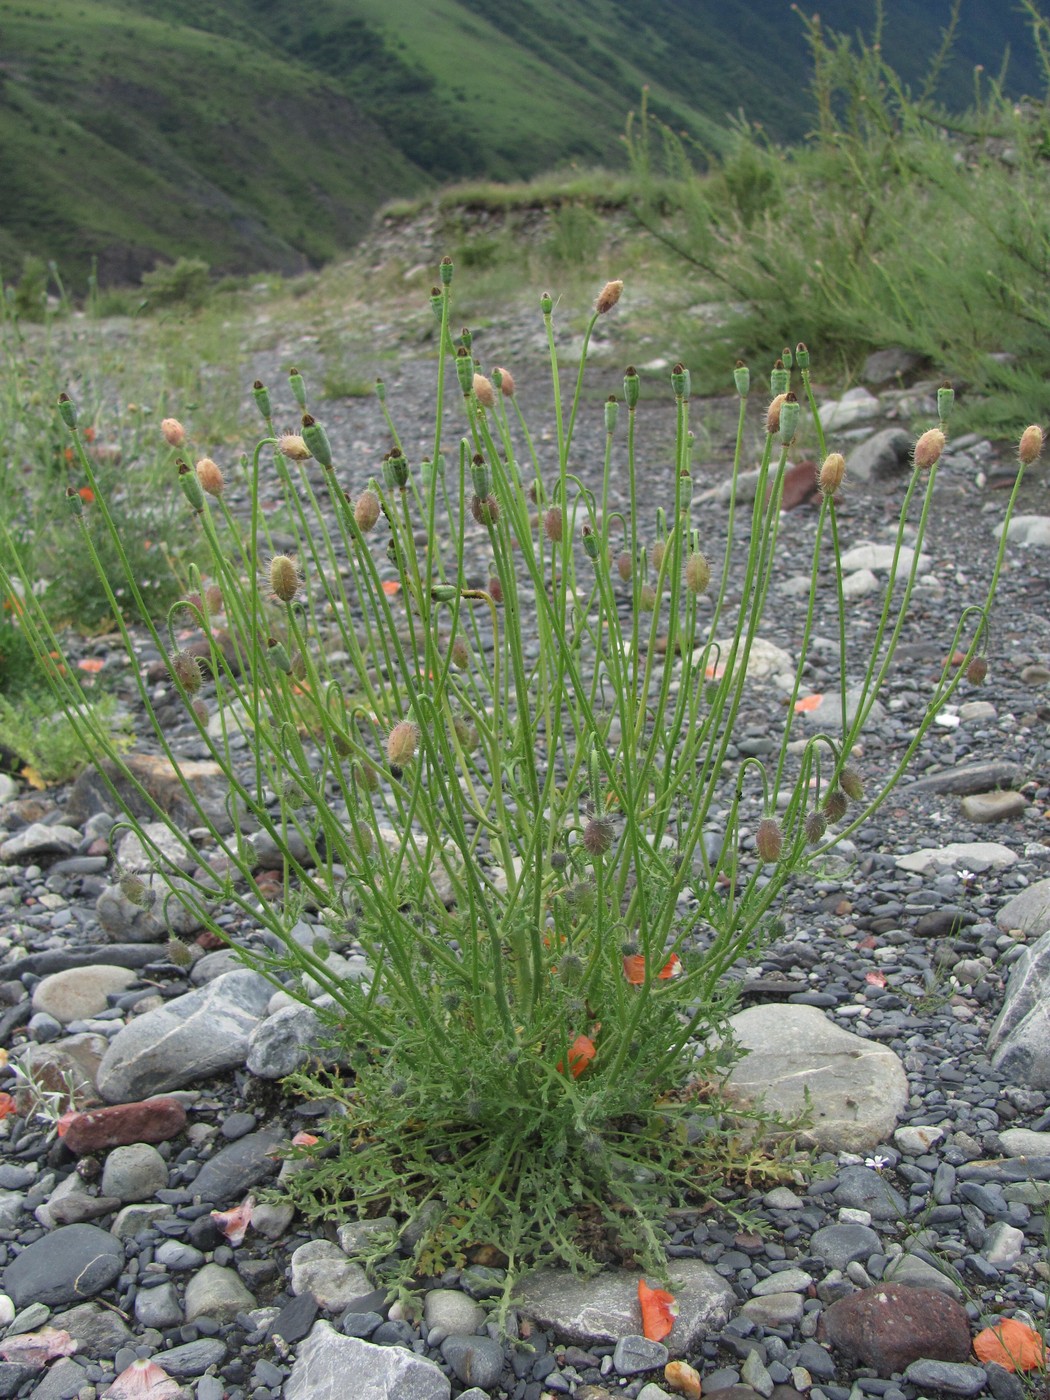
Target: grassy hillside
x,y
254,134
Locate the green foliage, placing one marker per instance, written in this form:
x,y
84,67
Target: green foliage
x,y
182,283
29,294
497,796
576,236
45,738
897,225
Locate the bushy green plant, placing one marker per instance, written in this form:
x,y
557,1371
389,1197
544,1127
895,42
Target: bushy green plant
x,y
897,224
45,740
185,282
498,787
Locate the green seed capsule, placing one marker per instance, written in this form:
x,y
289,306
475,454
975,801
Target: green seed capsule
x,y
945,401
316,440
802,355
779,379
612,412
446,270
790,410
191,486
680,381
546,304
742,379
261,395
298,387
68,409
74,501
631,387
464,369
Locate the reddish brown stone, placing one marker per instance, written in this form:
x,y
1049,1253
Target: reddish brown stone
x,y
800,484
152,1120
891,1325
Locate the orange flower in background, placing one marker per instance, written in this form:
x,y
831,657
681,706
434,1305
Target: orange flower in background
x,y
634,969
808,703
86,495
93,664
7,1106
581,1052
1012,1345
89,434
659,1311
391,586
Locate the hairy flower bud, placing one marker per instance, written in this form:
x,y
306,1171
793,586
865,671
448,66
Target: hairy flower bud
x,y
504,381
835,805
174,432
816,828
494,588
977,670
773,414
929,448
293,446
552,524
402,742
597,836
769,840
647,598
484,392
186,670
851,784
832,473
210,476
366,511
284,578
191,487
484,509
608,297
624,565
137,892
1031,445
460,654
697,572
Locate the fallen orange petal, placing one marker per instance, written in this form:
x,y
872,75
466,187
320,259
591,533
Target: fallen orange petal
x,y
37,1348
143,1380
808,704
7,1106
659,1311
234,1223
391,586
91,663
62,1126
304,1140
877,979
1012,1345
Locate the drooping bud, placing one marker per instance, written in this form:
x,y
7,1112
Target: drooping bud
x,y
366,511
444,592
297,386
632,387
261,395
503,380
460,654
945,401
137,892
624,566
186,670
210,476
316,440
278,654
697,573
1031,445
815,828
977,670
395,468
647,598
773,414
802,355
445,270
598,836
174,432
680,381
484,509
852,784
608,297
779,379
552,524
200,709
657,550
402,742
68,410
742,379
191,486
769,840
835,805
466,734
484,391
832,473
612,412
494,588
284,577
929,448
294,447
790,411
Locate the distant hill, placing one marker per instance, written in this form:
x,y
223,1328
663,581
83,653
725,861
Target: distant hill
x,y
262,134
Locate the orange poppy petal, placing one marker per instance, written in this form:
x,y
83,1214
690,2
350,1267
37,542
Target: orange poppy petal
x,y
581,1053
86,494
391,586
808,704
91,663
634,969
1012,1345
659,1311
234,1223
304,1140
7,1106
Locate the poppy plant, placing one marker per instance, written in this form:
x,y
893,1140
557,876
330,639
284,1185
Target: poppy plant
x,y
634,969
659,1311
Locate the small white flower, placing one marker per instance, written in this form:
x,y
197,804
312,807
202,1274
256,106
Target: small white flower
x,y
967,876
876,1162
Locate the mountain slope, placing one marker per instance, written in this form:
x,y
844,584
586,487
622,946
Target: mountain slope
x,y
255,134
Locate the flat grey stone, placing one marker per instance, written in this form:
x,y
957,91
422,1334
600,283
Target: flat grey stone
x,y
951,1377
775,1309
828,713
38,840
475,1360
634,1354
605,1308
452,1310
134,1173
321,1269
79,992
1019,1041
984,807
863,1188
855,406
857,1088
64,1266
282,1042
972,777
158,1307
1028,911
839,1245
784,1281
187,1039
916,1273
133,1219
98,1332
1025,1142
879,559
193,1358
977,856
225,1178
332,1367
217,1292
1002,1245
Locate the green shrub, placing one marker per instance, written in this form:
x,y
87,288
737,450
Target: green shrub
x,y
182,283
498,791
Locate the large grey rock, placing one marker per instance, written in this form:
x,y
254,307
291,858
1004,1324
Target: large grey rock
x,y
1025,1142
971,777
160,916
282,1042
65,1266
857,1089
98,1332
80,992
605,1308
1029,911
186,1040
1028,529
879,558
917,1273
884,454
39,840
855,406
985,807
217,1292
320,1268
1019,1040
332,1367
225,1178
977,856
134,1173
